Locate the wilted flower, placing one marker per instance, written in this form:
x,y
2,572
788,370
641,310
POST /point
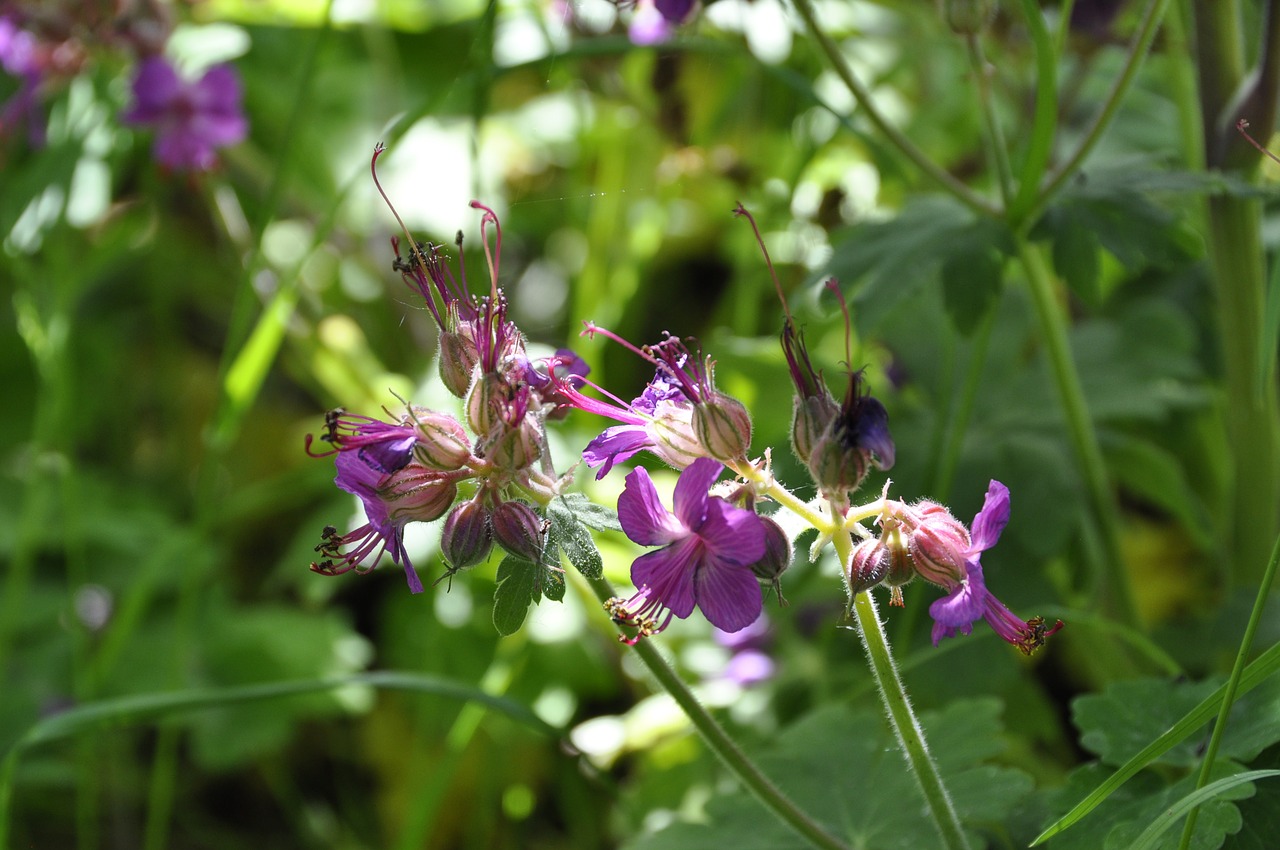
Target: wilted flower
x,y
191,119
708,546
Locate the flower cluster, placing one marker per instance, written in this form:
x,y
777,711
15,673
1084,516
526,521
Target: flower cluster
x,y
479,474
713,550
43,47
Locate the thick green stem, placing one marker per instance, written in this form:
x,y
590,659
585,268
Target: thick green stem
x,y
1117,592
728,751
901,716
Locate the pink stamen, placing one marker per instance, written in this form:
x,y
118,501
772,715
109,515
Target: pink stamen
x,y
496,256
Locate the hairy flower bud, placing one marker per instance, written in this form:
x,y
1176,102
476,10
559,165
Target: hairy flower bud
x,y
418,494
810,419
484,402
777,553
467,536
723,427
519,530
939,545
458,358
442,440
516,448
868,565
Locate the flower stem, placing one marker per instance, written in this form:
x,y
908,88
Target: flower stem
x,y
728,751
1083,436
901,716
896,137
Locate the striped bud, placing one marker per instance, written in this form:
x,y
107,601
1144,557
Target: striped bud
x,y
467,536
519,530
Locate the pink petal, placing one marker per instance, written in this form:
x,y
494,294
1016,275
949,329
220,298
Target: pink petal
x,y
728,594
992,519
690,499
732,534
669,574
642,515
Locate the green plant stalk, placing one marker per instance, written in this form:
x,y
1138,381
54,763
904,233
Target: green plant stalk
x,y
1045,120
1233,685
718,740
1118,592
1138,48
997,150
1235,246
902,718
895,137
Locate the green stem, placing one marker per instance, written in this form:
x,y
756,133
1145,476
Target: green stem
x,y
1045,121
996,148
1137,52
1084,438
902,718
728,751
895,137
1233,685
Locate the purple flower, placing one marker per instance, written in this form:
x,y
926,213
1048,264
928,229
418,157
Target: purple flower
x,y
969,598
191,119
383,446
708,546
749,663
20,57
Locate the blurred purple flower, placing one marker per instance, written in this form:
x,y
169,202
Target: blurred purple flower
x,y
191,119
748,664
969,598
20,57
708,546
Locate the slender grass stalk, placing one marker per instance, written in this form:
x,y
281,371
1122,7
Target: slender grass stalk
x,y
1232,687
902,717
997,150
720,743
896,137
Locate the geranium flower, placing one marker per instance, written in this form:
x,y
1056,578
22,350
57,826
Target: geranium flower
x,y
969,598
708,547
191,119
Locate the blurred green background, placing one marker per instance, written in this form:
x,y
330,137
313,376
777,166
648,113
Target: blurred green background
x,y
169,339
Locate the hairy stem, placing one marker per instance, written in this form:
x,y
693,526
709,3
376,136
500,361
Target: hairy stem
x,y
726,749
901,716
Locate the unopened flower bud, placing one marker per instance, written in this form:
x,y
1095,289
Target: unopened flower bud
x,y
467,536
723,427
868,565
417,494
968,17
518,529
835,468
939,546
777,553
810,419
516,448
442,441
458,358
484,402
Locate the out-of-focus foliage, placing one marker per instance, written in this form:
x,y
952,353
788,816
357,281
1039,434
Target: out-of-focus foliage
x,y
170,339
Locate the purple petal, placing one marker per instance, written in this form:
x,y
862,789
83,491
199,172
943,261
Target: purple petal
x,y
749,668
873,432
218,119
957,611
690,499
669,575
728,594
615,444
732,534
642,515
753,635
674,11
154,90
648,26
991,520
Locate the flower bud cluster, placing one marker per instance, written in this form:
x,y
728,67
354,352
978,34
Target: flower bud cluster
x,y
414,469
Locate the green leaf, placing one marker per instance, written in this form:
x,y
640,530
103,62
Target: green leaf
x,y
971,277
1154,473
588,513
1255,674
1215,792
851,776
517,587
1076,260
571,535
1261,812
